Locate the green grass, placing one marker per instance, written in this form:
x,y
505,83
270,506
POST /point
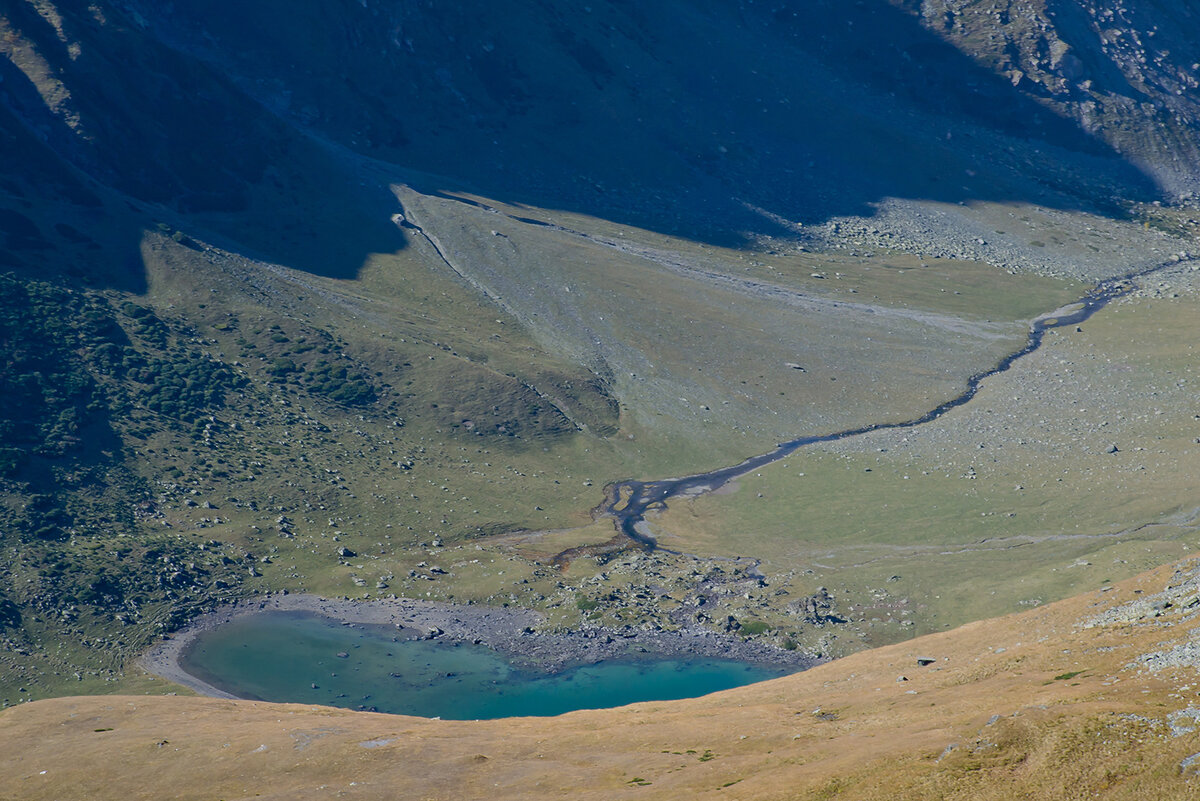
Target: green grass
x,y
266,421
705,345
212,445
1010,502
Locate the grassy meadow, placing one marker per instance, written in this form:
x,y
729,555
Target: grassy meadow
x,y
442,424
1017,499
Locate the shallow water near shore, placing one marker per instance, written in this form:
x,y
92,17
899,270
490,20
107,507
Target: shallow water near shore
x,y
307,658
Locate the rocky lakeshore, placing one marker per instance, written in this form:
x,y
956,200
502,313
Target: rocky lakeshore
x,y
510,631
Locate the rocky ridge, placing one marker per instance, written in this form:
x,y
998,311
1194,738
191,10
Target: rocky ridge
x,y
1124,71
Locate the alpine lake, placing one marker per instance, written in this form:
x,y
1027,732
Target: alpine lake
x,y
302,657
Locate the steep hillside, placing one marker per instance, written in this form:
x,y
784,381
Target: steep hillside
x,y
710,119
1091,697
805,110
1123,72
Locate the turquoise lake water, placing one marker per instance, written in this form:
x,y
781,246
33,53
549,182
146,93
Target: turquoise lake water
x,y
280,656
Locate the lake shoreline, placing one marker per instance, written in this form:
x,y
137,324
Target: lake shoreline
x,y
511,631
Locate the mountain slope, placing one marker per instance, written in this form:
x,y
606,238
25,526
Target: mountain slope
x,y
305,294
740,114
1089,697
1123,72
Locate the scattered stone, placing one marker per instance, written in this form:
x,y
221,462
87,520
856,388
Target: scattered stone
x,y
1185,721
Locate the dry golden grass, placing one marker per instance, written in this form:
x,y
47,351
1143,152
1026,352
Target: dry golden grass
x,y
1026,706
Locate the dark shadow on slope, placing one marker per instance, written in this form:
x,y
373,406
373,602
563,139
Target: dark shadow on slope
x,y
165,130
54,224
682,117
710,119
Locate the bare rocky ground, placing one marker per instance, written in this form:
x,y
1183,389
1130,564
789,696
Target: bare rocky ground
x,y
1025,239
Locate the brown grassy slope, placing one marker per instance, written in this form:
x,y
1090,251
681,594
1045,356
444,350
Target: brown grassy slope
x,y
1026,706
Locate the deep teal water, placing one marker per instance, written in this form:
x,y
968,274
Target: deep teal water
x,y
280,656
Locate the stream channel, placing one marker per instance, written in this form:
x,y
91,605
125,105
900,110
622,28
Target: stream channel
x,y
310,658
629,501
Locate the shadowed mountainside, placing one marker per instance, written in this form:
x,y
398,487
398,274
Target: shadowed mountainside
x,y
682,117
1124,72
92,100
712,120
